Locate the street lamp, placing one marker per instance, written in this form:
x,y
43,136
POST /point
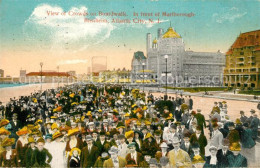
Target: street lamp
x,y
166,58
41,64
143,64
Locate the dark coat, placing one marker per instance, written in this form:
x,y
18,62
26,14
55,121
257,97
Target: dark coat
x,y
233,136
102,148
88,158
254,126
222,159
207,163
243,119
21,152
237,161
12,162
149,148
74,162
247,139
188,150
202,140
28,157
39,158
201,120
129,159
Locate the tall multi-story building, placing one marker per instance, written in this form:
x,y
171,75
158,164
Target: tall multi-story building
x,y
2,72
243,61
183,67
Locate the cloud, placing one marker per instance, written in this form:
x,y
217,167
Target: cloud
x,y
66,33
228,15
63,31
75,61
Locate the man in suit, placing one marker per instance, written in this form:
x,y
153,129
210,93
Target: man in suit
x,y
254,126
115,160
200,120
89,153
217,136
243,118
252,111
133,158
177,156
200,138
186,146
190,103
223,153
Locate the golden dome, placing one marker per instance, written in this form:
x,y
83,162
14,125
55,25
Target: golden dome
x,y
155,41
171,34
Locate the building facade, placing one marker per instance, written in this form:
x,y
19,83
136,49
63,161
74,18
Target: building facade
x,y
184,68
243,61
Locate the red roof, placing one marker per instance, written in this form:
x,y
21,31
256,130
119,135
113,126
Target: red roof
x,y
246,39
48,74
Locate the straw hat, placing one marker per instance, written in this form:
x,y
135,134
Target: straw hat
x,y
129,134
56,135
235,146
113,150
8,142
4,131
31,140
54,126
73,149
148,135
4,122
73,131
22,131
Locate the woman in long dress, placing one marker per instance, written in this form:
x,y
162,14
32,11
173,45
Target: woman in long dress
x,y
58,151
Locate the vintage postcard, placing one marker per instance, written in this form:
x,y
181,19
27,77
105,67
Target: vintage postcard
x,y
129,83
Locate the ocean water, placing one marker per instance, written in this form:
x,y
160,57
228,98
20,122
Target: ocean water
x,y
12,85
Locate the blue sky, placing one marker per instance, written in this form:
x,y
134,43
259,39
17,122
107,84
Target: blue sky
x,y
27,34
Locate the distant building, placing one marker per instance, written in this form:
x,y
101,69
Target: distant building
x,y
243,61
22,73
183,67
48,77
2,73
72,73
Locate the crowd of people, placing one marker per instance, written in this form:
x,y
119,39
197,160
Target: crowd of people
x,y
86,125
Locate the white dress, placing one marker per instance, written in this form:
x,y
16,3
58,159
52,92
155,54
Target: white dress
x,y
58,154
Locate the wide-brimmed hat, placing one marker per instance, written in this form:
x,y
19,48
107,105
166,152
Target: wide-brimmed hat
x,y
22,131
163,145
213,148
31,140
88,137
73,131
40,140
73,149
252,111
8,142
113,150
148,135
48,136
4,122
129,134
56,135
176,140
235,146
4,131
